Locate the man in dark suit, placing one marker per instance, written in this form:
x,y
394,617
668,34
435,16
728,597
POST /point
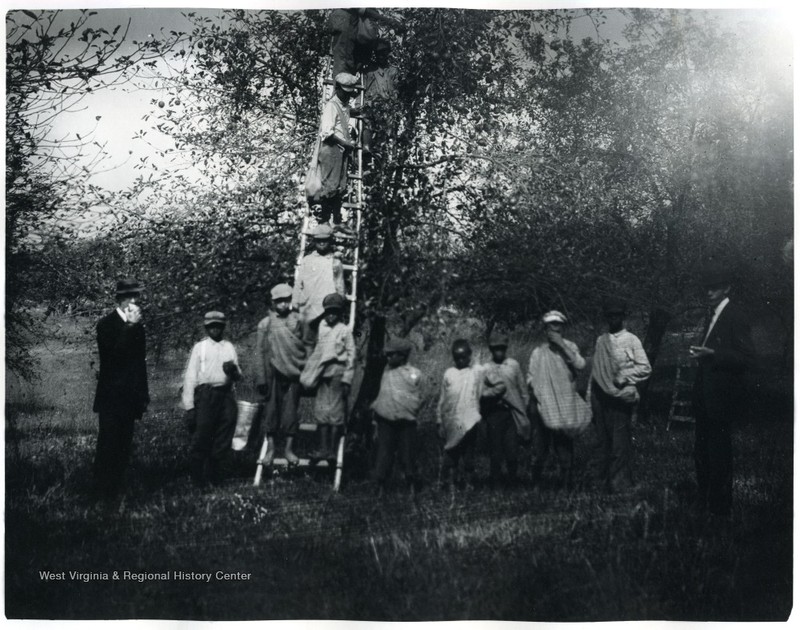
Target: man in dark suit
x,y
724,353
122,394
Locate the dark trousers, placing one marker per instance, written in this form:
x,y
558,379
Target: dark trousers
x,y
713,458
280,410
611,423
542,439
502,434
311,333
461,452
114,442
330,207
215,412
395,437
348,55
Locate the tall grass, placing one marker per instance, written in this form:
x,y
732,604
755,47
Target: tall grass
x,y
528,553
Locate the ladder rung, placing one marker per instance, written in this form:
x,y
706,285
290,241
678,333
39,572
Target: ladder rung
x,y
304,461
349,267
351,176
332,82
351,298
307,426
347,205
681,419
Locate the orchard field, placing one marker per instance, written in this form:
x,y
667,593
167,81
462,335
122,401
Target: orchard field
x,y
522,161
525,553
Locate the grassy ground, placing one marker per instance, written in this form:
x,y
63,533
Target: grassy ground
x,y
519,554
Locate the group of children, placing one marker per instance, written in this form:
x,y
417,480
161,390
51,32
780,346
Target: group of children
x,y
304,345
544,407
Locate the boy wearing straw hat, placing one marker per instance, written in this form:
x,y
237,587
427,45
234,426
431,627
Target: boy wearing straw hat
x,y
209,401
558,413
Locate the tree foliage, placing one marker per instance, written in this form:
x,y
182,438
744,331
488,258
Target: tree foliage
x,y
520,168
53,60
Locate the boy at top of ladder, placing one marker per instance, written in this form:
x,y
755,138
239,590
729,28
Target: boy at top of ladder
x,y
334,150
280,358
319,275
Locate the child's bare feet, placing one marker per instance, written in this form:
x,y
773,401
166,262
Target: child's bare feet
x,y
269,455
291,458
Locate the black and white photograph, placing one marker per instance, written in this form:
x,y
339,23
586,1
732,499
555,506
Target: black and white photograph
x,y
436,312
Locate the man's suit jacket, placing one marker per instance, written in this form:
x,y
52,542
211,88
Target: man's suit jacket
x,y
122,382
719,386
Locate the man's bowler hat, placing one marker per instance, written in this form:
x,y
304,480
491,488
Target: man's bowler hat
x,y
128,286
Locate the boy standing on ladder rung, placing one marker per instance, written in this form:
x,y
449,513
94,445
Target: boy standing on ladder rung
x,y
330,369
280,358
320,274
328,185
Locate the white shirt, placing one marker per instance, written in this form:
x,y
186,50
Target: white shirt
x,y
205,367
122,314
715,317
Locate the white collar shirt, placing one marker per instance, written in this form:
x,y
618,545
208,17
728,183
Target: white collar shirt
x,y
715,317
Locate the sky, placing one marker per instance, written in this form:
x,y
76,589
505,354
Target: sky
x,y
121,109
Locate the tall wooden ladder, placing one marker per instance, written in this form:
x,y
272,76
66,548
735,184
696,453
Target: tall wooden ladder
x,y
347,246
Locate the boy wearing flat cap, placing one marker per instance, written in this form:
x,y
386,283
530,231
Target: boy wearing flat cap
x,y
396,408
504,410
333,150
320,274
558,413
724,352
330,370
280,358
209,401
619,363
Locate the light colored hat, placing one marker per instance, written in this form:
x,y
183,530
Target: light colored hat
x,y
346,81
214,317
554,316
280,291
322,232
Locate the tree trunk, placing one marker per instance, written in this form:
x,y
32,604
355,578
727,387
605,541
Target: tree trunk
x,y
659,319
373,370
